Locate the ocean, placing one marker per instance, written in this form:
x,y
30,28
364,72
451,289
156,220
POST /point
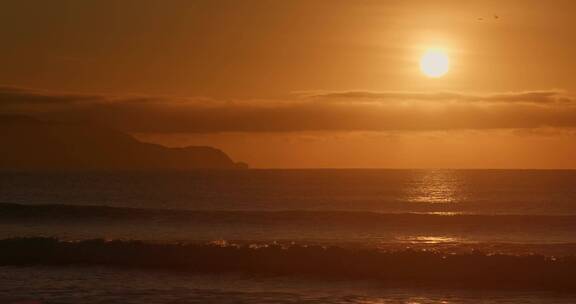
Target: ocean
x,y
288,236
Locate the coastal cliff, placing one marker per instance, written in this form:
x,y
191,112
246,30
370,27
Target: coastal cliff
x,y
30,144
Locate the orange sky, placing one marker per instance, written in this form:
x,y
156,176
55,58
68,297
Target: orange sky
x,y
305,83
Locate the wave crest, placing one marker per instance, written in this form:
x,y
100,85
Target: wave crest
x,y
406,266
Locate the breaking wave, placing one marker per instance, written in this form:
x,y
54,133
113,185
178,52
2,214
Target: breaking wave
x,y
473,268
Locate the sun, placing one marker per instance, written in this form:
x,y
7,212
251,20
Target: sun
x,y
434,63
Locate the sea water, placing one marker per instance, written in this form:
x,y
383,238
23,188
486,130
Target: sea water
x,y
514,212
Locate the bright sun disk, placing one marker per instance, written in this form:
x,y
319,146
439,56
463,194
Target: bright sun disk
x,y
434,63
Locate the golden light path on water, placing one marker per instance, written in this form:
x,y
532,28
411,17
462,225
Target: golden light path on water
x,y
429,239
436,187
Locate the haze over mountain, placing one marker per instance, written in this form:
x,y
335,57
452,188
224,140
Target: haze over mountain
x,y
28,143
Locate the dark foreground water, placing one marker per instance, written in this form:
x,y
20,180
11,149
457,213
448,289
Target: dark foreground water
x,y
289,236
116,286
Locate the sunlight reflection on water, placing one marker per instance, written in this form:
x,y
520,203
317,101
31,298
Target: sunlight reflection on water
x,y
444,213
436,187
429,239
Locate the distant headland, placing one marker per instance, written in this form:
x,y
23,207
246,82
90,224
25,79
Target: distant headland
x,y
27,143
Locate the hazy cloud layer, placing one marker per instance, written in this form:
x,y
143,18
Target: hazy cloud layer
x,y
331,111
17,96
521,97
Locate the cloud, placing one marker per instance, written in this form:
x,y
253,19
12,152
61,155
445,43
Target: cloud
x,y
13,95
551,96
336,111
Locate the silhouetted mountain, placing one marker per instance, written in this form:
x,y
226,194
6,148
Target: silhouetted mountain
x,y
27,143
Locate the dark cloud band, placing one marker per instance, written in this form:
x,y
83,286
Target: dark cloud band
x,y
551,96
384,111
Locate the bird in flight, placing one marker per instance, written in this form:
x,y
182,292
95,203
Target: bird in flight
x,y
495,17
